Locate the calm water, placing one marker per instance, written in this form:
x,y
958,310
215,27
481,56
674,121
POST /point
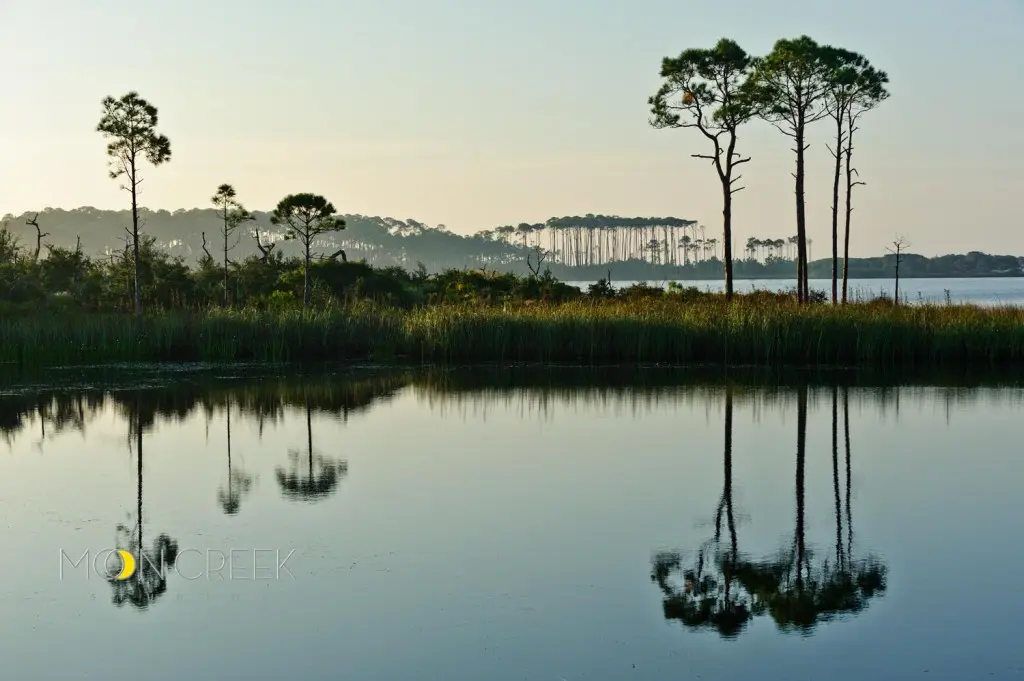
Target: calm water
x,y
977,290
555,525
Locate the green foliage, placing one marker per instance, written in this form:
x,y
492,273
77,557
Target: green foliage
x,y
305,217
129,124
706,89
789,85
852,82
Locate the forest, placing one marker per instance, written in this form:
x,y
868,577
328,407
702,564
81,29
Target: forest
x,y
581,248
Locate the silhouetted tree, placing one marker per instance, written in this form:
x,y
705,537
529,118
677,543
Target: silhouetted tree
x,y
868,92
40,235
843,65
790,85
853,85
899,245
305,217
707,89
232,215
129,125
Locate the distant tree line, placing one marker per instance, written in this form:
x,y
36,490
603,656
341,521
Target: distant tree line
x,y
56,277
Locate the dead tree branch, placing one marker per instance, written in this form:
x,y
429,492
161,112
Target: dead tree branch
x,y
34,221
205,250
264,250
541,255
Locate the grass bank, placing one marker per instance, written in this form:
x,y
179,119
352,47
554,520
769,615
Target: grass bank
x,y
757,330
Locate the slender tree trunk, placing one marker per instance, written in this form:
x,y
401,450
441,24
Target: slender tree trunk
x,y
727,236
305,286
849,205
135,237
801,225
226,299
896,296
835,206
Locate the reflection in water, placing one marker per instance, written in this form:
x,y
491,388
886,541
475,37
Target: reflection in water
x,y
149,580
239,482
718,587
795,590
71,408
705,599
527,529
318,478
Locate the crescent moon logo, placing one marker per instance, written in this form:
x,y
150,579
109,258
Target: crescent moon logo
x,y
127,565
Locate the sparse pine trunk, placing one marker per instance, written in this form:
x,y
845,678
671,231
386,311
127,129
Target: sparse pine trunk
x,y
135,238
896,297
801,217
727,236
226,297
835,210
849,208
305,286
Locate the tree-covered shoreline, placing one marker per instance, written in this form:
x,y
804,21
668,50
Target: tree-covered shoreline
x,y
605,244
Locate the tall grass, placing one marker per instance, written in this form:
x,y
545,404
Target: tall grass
x,y
759,330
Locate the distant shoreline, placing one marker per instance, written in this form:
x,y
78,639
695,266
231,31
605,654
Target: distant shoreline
x,y
1001,275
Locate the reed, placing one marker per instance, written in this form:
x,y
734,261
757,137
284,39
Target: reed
x,y
753,330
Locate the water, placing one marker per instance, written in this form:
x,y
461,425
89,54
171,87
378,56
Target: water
x,y
987,291
506,525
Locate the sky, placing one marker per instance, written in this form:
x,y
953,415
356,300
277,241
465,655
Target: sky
x,y
478,113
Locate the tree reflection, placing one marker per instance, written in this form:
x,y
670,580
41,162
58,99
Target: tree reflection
x,y
792,587
149,581
239,482
318,478
709,595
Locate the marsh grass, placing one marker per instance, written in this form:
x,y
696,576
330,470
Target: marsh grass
x,y
756,329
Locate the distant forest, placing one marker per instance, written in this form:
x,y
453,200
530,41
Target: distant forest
x,y
578,248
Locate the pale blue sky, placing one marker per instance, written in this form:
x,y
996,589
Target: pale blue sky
x,y
479,113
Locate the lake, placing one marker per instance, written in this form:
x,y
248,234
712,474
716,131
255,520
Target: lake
x,y
976,290
510,524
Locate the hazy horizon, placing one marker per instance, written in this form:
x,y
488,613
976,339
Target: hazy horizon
x,y
478,114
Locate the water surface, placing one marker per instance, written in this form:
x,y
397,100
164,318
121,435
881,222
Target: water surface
x,y
502,525
989,291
